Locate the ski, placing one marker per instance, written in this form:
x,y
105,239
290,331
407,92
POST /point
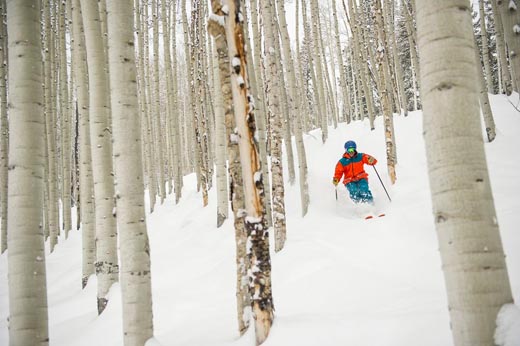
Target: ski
x,y
368,217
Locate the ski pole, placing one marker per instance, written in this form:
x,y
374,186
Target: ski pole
x,y
382,184
336,189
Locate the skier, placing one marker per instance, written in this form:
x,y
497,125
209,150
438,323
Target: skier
x,y
355,178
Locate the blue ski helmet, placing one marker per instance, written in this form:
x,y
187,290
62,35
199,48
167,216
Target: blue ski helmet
x,y
350,144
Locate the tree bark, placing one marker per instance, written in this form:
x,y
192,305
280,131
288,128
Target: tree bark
x,y
50,126
275,119
319,71
260,107
510,15
501,49
220,142
469,240
28,317
86,180
136,287
382,62
485,107
236,190
107,268
255,222
296,114
66,116
485,49
4,129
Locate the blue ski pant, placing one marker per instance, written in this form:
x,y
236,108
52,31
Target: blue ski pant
x,y
359,191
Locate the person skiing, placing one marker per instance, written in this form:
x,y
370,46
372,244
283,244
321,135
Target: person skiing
x,y
351,167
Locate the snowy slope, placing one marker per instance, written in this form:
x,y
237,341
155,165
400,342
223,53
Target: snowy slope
x,y
340,280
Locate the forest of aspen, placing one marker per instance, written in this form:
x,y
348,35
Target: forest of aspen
x,y
107,106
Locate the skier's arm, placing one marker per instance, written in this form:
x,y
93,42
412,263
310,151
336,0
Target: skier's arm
x,y
369,160
338,173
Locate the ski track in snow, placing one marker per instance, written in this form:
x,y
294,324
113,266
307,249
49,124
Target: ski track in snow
x,y
340,280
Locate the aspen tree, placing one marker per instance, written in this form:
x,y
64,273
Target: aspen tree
x,y
485,49
148,124
196,107
66,140
355,96
255,222
485,106
391,81
295,105
469,240
260,106
329,91
236,191
414,59
510,15
339,58
383,75
136,290
28,317
4,128
156,104
275,119
501,49
317,59
190,104
86,182
107,268
397,62
220,143
302,67
50,134
167,97
361,59
175,101
284,102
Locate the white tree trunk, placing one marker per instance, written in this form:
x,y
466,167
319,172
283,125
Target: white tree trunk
x,y
177,128
383,67
275,119
156,108
339,58
485,49
501,50
220,142
4,129
487,114
260,106
147,123
296,116
135,249
107,268
66,116
510,14
414,59
28,320
469,240
236,190
317,59
255,222
397,62
86,182
50,124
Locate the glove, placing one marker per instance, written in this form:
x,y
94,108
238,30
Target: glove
x,y
371,161
335,181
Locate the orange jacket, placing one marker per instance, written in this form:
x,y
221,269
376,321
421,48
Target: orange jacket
x,y
352,167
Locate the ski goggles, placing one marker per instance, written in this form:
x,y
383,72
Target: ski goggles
x,y
351,150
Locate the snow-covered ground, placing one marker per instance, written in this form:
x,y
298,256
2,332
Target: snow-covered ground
x,y
340,280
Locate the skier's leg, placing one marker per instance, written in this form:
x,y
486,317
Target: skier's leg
x,y
364,192
353,191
